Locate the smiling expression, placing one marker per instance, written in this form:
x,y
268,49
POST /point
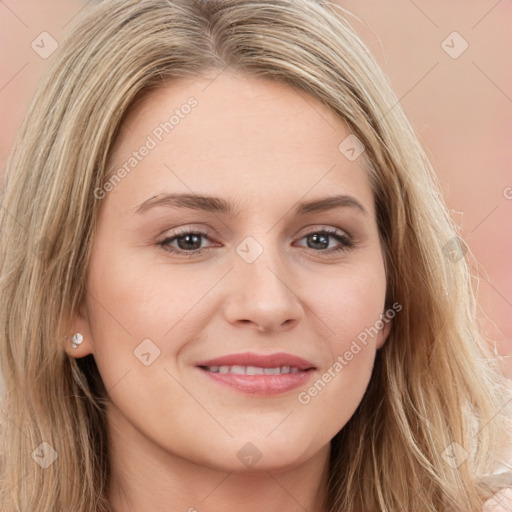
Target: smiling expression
x,y
230,269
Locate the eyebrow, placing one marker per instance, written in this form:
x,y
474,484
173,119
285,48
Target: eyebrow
x,y
219,205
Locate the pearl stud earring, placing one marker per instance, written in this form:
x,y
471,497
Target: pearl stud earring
x,y
77,339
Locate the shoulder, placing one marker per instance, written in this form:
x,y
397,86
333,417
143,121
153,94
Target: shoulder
x,y
501,502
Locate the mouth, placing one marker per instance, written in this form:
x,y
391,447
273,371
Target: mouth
x,y
251,370
259,374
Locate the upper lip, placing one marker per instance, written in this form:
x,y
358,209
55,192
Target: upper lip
x,y
279,359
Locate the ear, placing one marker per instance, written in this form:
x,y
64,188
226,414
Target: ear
x,y
384,332
79,323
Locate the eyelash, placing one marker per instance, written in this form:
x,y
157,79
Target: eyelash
x,y
347,242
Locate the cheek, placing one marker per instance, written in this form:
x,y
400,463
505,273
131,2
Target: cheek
x,y
142,298
132,300
349,303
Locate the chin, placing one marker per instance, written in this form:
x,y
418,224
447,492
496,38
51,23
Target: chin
x,y
253,453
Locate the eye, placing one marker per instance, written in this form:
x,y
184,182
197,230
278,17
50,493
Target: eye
x,y
188,242
320,240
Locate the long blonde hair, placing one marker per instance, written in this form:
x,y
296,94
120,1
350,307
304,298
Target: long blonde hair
x,y
435,382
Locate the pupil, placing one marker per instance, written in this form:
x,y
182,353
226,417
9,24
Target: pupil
x,y
189,238
324,240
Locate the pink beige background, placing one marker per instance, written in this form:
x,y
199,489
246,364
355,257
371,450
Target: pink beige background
x,y
449,63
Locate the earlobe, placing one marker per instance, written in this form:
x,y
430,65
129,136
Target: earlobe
x,y
78,338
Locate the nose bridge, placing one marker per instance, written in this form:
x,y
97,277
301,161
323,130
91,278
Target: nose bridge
x,y
262,290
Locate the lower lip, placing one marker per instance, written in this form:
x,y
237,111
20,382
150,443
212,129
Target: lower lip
x,y
266,385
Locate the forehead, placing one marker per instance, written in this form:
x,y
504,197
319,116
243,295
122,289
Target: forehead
x,y
230,133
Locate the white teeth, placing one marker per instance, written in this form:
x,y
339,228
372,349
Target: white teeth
x,y
252,370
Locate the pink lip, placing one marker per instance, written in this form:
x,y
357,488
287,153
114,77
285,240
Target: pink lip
x,y
265,385
262,361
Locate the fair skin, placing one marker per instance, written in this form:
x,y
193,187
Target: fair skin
x,y
175,429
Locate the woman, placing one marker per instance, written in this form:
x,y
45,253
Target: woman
x,y
230,282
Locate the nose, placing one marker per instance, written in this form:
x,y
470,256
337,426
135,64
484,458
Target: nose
x,y
262,294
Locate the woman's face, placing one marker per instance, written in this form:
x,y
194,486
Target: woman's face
x,y
241,343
